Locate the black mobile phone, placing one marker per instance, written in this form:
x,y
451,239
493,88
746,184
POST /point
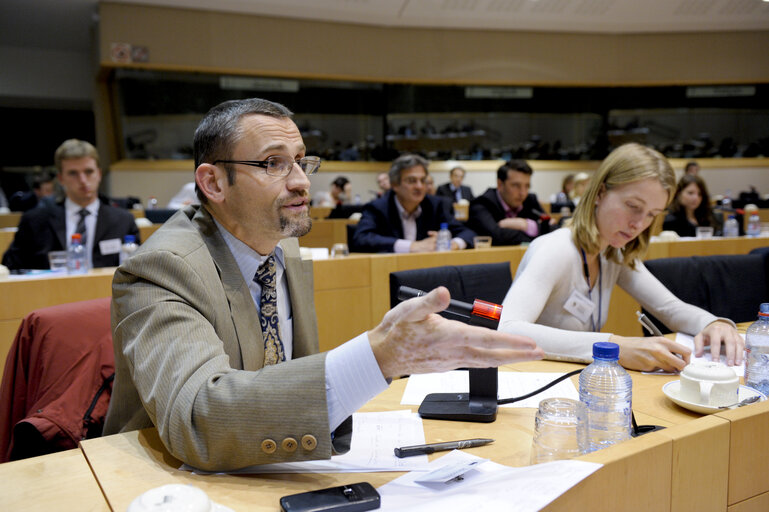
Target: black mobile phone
x,y
347,498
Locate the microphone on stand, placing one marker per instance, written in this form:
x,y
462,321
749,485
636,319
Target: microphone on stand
x,y
544,221
480,404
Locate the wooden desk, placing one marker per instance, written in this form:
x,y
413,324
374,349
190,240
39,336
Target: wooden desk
x,y
10,220
697,463
6,238
61,481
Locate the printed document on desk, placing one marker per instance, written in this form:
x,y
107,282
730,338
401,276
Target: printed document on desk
x,y
511,384
374,439
489,486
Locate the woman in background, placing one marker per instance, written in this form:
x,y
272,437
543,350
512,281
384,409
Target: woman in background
x,y
690,208
580,184
561,293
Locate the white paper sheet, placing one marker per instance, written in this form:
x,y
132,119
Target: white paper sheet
x,y
688,341
511,384
375,437
490,486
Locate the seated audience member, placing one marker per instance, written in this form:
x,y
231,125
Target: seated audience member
x,y
692,168
690,208
50,227
561,292
430,185
42,192
580,183
506,213
339,194
216,340
406,219
185,196
454,189
383,182
562,196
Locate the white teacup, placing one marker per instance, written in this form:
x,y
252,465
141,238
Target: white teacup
x,y
709,383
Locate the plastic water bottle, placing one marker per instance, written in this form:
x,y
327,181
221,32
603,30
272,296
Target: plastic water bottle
x,y
754,225
757,349
561,198
731,228
444,238
128,248
152,203
607,391
77,259
726,202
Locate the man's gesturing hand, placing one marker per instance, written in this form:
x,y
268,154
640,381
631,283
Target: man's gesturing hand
x,y
412,338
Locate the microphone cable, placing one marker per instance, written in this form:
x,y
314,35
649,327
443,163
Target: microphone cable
x,y
638,430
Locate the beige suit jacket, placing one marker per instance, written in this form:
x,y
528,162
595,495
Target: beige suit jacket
x,y
189,354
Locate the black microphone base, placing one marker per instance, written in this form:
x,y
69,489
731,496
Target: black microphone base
x,y
458,407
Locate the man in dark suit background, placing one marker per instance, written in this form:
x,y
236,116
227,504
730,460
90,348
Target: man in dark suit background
x,y
406,219
454,189
506,213
50,227
43,189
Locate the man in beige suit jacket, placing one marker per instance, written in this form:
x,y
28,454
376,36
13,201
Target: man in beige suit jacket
x,y
188,342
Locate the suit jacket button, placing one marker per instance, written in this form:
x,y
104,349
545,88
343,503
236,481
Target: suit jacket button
x,y
269,446
289,444
309,442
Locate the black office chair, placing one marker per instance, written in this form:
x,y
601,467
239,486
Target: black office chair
x,y
159,215
731,286
486,281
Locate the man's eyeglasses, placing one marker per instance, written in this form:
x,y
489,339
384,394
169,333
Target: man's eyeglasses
x,y
280,165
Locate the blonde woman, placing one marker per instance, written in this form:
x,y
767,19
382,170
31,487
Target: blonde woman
x,y
562,289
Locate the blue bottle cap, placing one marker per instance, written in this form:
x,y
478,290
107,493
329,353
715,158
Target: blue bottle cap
x,y
764,308
605,350
444,225
129,239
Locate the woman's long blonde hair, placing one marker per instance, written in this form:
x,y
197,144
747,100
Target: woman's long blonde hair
x,y
626,164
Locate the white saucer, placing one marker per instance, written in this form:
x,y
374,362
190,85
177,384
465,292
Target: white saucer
x,y
672,390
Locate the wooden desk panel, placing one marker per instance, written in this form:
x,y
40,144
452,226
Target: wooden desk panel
x,y
326,233
61,481
10,220
700,461
748,451
6,238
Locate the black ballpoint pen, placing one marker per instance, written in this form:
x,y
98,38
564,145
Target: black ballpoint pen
x,y
424,449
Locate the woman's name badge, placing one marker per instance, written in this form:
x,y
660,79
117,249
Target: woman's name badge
x,y
580,306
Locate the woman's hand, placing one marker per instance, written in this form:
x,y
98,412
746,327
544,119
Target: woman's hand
x,y
648,354
720,333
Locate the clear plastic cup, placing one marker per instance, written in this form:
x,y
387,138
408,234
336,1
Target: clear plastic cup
x,y
339,250
560,430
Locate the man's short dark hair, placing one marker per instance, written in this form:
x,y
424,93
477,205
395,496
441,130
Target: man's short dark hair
x,y
340,182
219,131
40,178
513,165
690,165
404,162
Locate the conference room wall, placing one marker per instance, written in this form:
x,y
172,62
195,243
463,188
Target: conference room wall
x,y
164,178
233,42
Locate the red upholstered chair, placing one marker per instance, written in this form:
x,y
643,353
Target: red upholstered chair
x,y
57,379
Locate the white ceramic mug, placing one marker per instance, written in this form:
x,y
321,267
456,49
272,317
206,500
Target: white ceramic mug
x,y
709,383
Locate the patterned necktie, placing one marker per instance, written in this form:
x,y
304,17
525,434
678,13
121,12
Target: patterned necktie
x,y
81,225
268,303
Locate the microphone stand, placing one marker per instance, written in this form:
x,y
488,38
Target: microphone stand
x,y
480,404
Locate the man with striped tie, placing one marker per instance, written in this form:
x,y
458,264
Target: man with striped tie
x,y
50,227
214,326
